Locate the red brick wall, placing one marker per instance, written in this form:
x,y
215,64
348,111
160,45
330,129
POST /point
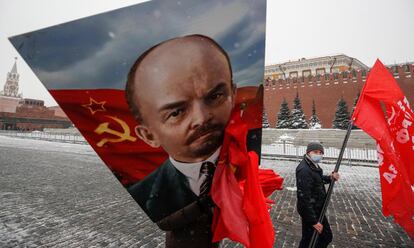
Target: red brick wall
x,y
326,93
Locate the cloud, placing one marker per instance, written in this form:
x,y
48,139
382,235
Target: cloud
x,y
218,20
100,49
251,75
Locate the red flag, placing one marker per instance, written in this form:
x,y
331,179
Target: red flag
x,y
241,213
250,101
394,134
103,118
269,181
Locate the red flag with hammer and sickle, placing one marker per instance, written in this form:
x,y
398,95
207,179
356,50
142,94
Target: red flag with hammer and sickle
x,y
103,118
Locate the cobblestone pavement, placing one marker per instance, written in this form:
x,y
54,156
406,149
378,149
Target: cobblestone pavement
x,y
61,195
354,212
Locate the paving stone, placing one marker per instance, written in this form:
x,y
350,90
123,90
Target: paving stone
x,y
54,195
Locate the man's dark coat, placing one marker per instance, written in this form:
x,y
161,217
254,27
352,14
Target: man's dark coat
x,y
311,196
311,191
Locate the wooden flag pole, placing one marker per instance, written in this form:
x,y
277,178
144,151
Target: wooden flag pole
x,y
331,185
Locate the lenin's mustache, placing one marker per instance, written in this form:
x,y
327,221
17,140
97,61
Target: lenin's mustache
x,y
204,129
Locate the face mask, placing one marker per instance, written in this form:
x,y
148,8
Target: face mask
x,y
316,158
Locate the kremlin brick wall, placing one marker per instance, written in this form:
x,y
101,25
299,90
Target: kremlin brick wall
x,y
326,90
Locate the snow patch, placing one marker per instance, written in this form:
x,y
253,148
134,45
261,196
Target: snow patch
x,y
291,188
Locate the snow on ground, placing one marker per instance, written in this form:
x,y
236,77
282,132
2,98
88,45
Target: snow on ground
x,y
44,145
286,136
51,197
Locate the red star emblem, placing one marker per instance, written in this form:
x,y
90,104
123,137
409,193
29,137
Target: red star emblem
x,y
94,106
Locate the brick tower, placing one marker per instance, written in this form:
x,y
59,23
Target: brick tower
x,y
11,87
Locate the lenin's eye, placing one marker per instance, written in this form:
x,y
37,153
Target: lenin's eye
x,y
176,113
216,95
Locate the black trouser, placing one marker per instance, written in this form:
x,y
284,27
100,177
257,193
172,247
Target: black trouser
x,y
324,238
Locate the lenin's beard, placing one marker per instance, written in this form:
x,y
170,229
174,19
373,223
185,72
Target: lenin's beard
x,y
210,145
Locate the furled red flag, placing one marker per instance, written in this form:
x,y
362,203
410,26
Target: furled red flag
x,y
241,213
394,133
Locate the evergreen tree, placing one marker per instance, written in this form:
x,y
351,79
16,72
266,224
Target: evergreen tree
x,y
314,122
342,117
298,117
283,117
265,121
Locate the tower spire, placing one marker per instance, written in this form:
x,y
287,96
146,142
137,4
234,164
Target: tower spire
x,y
14,69
11,87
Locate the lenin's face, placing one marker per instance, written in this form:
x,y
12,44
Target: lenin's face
x,y
184,92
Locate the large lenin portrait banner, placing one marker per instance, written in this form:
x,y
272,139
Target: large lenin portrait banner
x,y
152,88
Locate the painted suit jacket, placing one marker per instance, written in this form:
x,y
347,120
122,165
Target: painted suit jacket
x,y
163,192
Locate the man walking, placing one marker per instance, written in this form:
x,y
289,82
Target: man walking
x,y
311,194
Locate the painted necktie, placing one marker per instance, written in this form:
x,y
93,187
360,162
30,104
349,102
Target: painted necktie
x,y
206,171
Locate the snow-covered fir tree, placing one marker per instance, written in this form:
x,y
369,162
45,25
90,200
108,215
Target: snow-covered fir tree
x,y
298,117
265,120
314,122
283,117
341,119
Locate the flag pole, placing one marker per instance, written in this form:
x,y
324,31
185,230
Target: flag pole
x,y
331,185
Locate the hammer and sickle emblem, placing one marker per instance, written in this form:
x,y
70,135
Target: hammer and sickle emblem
x,y
104,128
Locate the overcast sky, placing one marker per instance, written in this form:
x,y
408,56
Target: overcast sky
x,y
96,52
365,30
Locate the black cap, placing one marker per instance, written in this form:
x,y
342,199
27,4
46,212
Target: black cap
x,y
315,146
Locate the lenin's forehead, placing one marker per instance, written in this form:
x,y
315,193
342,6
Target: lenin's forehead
x,y
174,57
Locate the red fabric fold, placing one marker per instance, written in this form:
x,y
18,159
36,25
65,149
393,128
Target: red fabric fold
x,y
241,213
269,181
394,134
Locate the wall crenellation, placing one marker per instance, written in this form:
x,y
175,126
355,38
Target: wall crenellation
x,y
327,89
358,76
